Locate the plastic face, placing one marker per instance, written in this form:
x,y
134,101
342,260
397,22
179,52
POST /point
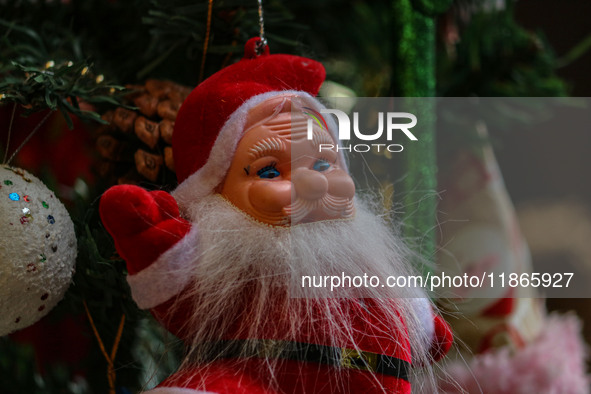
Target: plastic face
x,y
279,177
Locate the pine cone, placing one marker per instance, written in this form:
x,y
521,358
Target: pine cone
x,y
135,145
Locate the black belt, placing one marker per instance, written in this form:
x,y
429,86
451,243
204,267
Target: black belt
x,y
336,356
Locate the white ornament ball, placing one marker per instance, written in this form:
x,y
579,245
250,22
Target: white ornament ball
x,y
37,249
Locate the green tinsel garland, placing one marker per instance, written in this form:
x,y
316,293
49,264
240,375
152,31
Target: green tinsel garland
x,y
413,75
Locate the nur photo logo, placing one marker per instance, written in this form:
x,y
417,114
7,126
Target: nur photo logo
x,y
387,123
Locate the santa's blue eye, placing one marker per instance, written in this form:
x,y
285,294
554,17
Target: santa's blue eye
x,y
321,165
268,172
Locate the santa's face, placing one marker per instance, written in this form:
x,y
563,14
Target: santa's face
x,y
279,177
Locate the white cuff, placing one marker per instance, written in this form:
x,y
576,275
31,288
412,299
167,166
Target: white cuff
x,y
424,313
167,276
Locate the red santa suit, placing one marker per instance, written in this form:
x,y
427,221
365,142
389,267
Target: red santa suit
x,y
151,234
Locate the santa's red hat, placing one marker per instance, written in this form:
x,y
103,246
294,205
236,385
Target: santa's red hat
x,y
210,123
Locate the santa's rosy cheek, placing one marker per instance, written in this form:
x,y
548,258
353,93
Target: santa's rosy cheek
x,y
340,184
271,196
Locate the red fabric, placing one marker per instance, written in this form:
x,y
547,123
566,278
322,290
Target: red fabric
x,y
501,308
65,341
252,375
443,339
207,108
143,224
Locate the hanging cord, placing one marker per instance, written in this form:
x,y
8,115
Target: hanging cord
x,y
206,42
28,137
263,43
9,132
110,358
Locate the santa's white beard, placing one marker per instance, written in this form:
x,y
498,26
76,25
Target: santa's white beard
x,y
238,258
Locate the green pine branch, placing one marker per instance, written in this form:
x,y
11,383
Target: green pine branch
x,y
41,74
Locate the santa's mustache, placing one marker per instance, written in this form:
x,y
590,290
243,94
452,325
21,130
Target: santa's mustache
x,y
337,207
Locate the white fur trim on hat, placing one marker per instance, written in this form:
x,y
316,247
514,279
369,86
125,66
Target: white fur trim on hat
x,y
167,276
204,181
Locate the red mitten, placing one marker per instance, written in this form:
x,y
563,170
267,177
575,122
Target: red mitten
x,y
143,224
443,338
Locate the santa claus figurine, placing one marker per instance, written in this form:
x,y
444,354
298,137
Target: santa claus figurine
x,y
220,262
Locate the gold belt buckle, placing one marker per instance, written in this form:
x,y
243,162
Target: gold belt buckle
x,y
270,348
353,359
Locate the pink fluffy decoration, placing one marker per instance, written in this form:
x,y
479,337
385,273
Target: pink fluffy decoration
x,y
553,363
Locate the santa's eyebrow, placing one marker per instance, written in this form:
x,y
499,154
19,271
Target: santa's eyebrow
x,y
290,129
322,137
265,147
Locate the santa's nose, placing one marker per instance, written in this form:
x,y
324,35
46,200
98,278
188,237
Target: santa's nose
x,y
309,184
